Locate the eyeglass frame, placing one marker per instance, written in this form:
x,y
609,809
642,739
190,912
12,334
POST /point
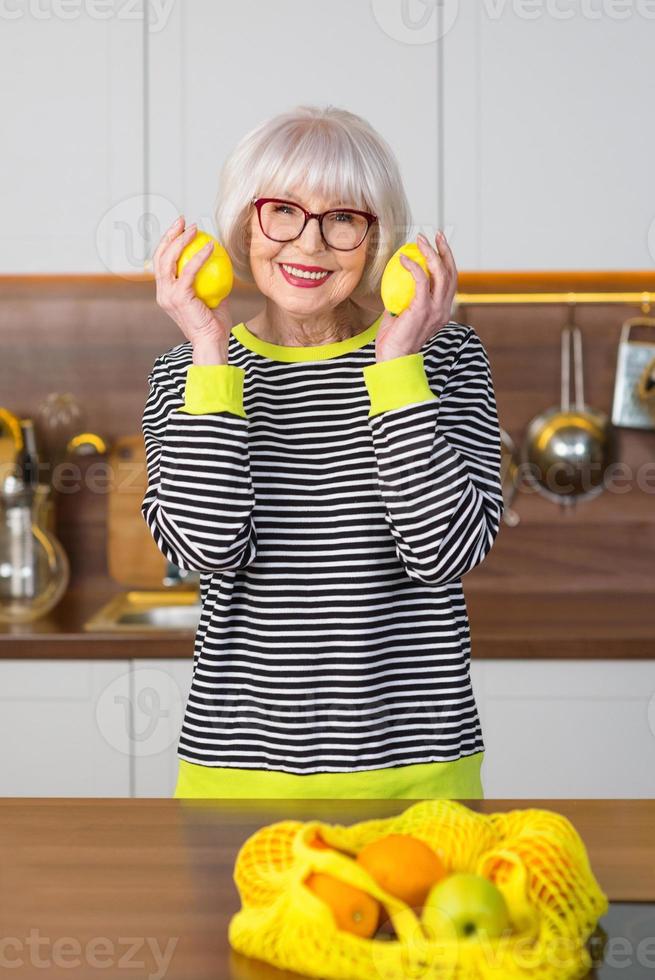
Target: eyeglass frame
x,y
259,202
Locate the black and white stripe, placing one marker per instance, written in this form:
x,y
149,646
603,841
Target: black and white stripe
x,y
334,635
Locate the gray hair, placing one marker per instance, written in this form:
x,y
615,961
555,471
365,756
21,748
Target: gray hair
x,y
336,154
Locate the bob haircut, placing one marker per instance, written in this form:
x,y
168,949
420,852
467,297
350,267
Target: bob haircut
x,y
334,153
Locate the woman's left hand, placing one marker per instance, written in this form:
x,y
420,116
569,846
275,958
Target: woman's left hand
x,y
430,308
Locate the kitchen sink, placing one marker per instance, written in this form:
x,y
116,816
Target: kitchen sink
x,y
148,611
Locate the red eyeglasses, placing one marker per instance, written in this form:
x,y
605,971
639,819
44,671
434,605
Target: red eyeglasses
x,y
342,228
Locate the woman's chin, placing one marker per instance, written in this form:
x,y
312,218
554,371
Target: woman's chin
x,y
295,299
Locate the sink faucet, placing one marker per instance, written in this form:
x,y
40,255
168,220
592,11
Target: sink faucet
x,y
176,576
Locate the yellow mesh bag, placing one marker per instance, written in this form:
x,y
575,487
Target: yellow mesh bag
x,y
535,857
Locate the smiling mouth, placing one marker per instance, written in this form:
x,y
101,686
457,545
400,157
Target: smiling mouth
x,y
308,273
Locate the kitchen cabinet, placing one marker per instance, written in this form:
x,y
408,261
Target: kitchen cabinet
x,y
510,131
543,109
91,727
159,690
567,728
62,725
215,71
72,124
560,728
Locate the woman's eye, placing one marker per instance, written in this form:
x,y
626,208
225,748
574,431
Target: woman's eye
x,y
282,207
339,215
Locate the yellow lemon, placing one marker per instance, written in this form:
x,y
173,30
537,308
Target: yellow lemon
x,y
397,287
215,278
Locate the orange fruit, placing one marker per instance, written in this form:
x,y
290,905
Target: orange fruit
x,y
353,910
404,866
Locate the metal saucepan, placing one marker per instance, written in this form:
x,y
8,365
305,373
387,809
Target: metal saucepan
x,y
568,449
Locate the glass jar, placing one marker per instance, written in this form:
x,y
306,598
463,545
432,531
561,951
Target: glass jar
x,y
34,568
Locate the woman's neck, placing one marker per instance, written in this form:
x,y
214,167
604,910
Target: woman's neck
x,y
276,326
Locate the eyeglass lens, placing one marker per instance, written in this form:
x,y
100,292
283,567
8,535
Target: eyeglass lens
x,y
341,229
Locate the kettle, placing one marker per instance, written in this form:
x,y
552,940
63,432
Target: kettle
x,y
34,568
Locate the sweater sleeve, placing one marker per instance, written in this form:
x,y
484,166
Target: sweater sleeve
x,y
200,499
438,460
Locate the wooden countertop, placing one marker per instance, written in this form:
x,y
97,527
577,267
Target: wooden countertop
x,y
514,626
160,871
61,633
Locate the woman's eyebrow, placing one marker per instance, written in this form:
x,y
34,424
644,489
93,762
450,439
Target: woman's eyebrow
x,y
289,195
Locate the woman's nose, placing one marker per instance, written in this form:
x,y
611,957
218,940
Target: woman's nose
x,y
311,236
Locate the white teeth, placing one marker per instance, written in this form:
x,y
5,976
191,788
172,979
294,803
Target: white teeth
x,y
303,275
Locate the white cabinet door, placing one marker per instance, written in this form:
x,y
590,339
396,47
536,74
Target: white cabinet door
x,y
552,729
62,725
159,693
72,126
547,161
217,70
563,728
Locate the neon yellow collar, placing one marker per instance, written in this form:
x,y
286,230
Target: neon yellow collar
x,y
319,352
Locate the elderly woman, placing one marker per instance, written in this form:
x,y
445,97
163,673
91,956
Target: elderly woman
x,y
331,478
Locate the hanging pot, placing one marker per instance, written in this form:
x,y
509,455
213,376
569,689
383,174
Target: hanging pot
x,y
567,449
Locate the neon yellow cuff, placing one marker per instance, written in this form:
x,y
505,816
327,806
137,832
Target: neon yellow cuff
x,y
397,382
214,388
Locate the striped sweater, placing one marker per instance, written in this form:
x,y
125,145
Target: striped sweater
x,y
331,505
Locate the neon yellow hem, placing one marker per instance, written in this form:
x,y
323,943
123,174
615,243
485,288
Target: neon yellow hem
x,y
398,382
214,388
459,779
319,352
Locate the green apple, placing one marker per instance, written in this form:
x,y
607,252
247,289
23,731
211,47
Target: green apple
x,y
463,906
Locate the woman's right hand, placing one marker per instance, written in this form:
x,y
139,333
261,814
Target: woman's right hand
x,y
207,329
